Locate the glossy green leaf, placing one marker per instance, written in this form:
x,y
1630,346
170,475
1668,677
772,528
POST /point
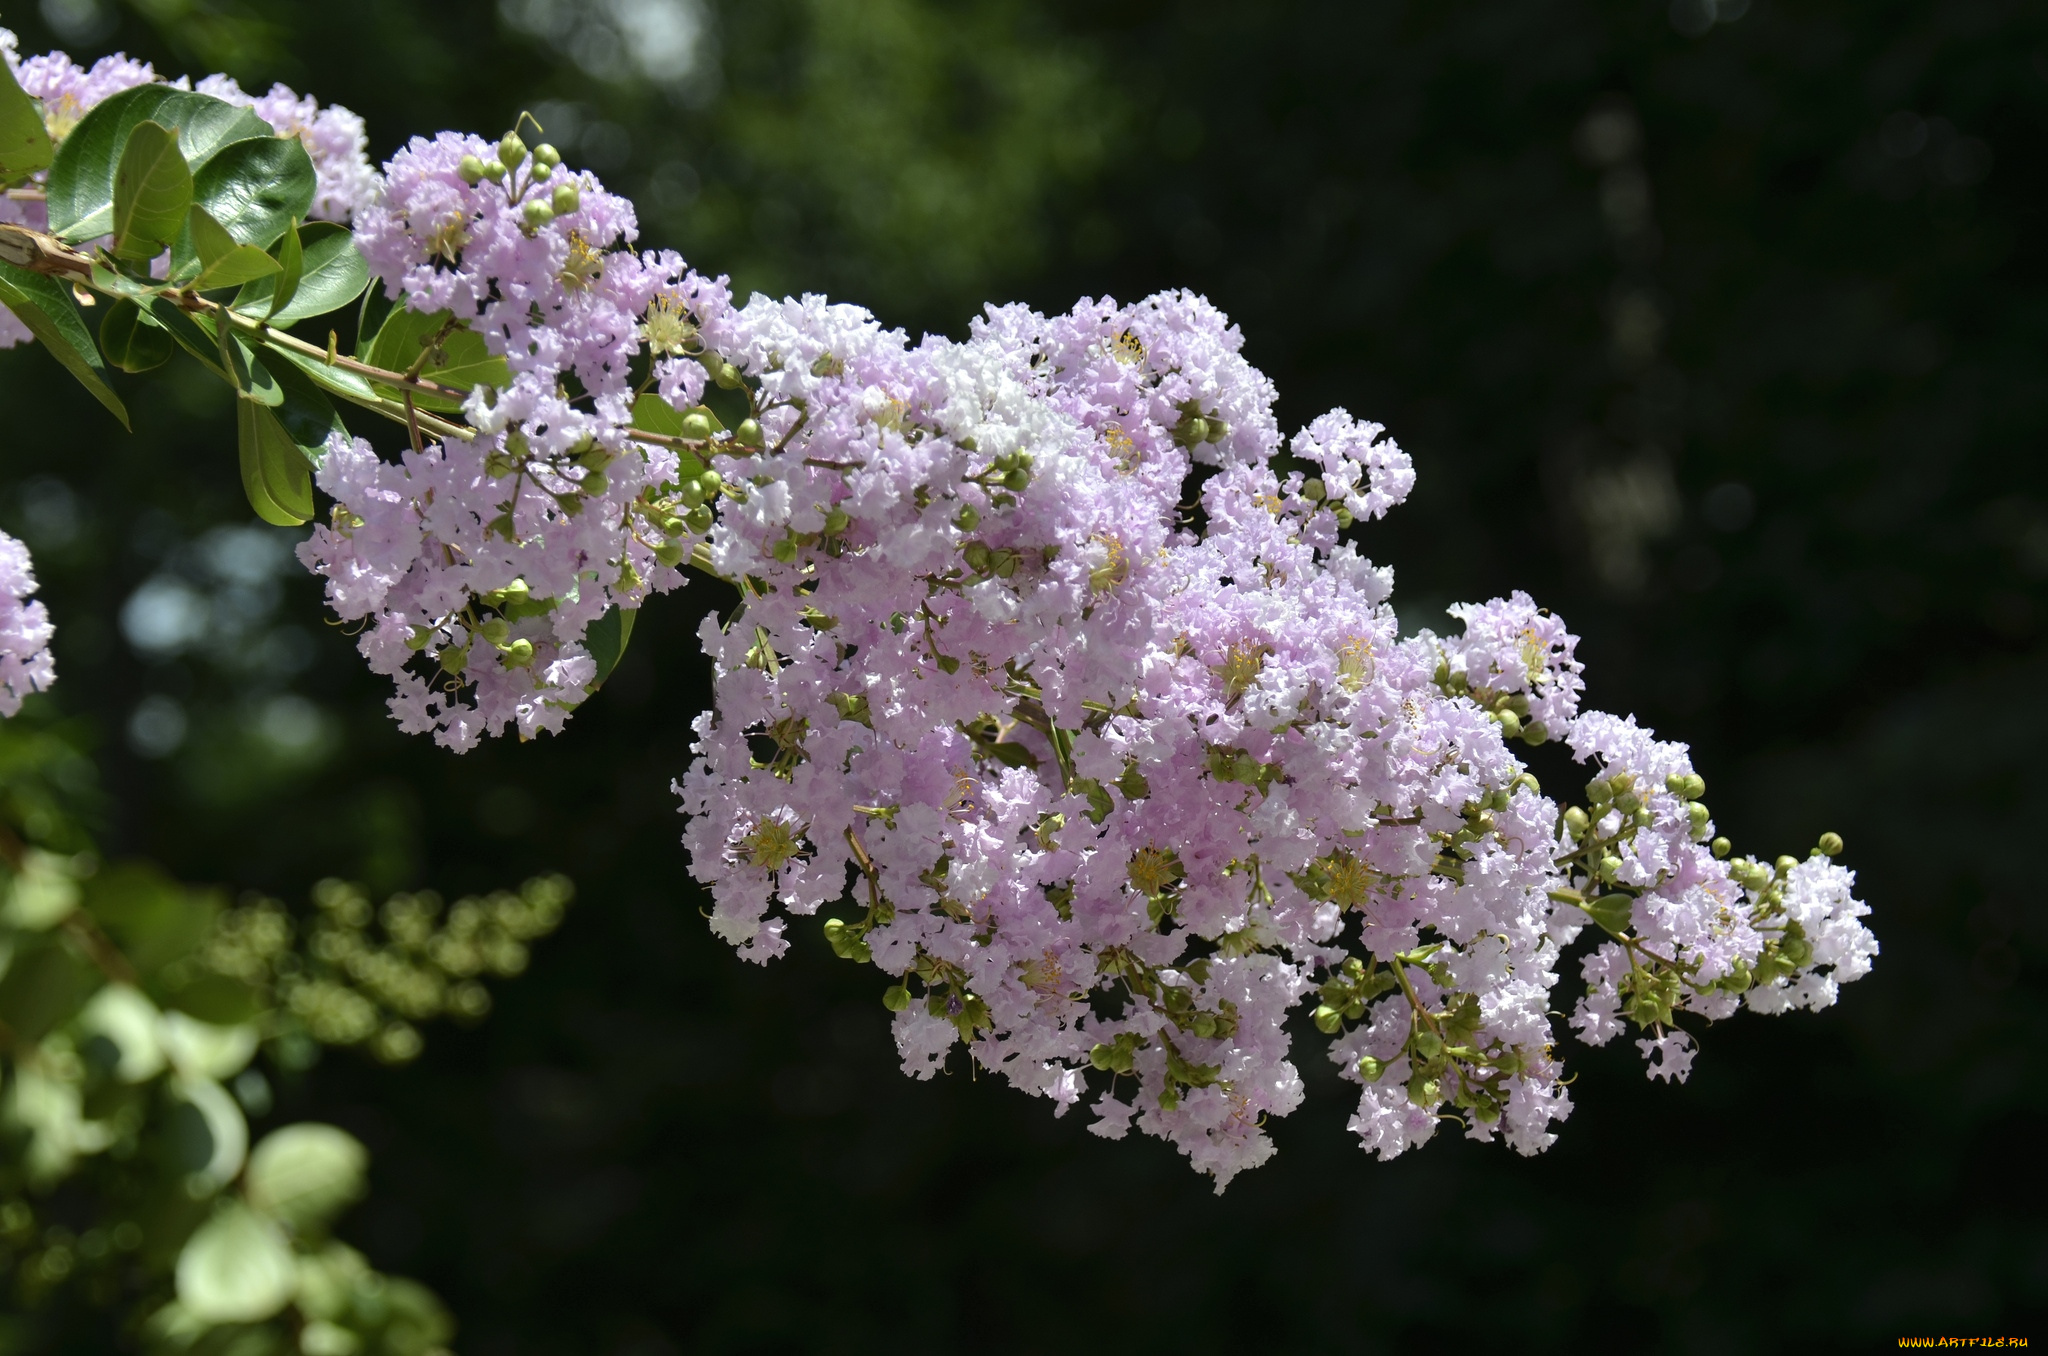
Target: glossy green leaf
x,y
81,184
25,144
306,413
196,339
290,253
236,1268
45,307
606,640
652,414
457,357
219,259
256,188
332,275
306,1174
152,191
275,475
338,380
132,342
370,320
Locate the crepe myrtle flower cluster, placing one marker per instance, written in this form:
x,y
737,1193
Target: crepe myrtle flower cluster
x,y
333,136
1053,675
25,630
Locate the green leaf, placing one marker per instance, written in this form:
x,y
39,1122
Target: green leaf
x,y
81,186
132,342
606,640
290,253
45,307
195,338
275,475
255,189
307,415
153,919
370,319
306,1174
221,261
217,1000
339,380
454,357
236,1268
652,414
46,983
152,190
333,275
25,144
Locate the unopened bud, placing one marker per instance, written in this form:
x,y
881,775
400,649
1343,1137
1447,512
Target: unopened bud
x,y
1370,1069
536,214
1721,847
540,173
748,434
567,198
495,171
1217,431
518,654
1328,1020
696,425
1312,490
1016,479
511,150
1785,865
1700,817
967,519
1510,724
470,170
1577,820
1831,845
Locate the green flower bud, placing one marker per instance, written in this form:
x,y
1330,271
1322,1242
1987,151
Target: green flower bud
x,y
748,434
712,483
596,482
1627,802
1328,1020
511,150
1599,792
1721,847
697,425
1343,516
691,493
1700,817
1312,489
1785,865
470,170
1578,821
541,173
1217,431
967,519
669,554
1675,783
519,654
1510,724
1609,865
1195,429
728,376
1370,1069
977,556
536,214
1831,845
897,997
1016,479
1099,1056
495,171
1642,817
1695,786
699,519
495,630
1534,733
567,198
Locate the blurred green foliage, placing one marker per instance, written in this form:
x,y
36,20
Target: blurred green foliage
x,y
1722,338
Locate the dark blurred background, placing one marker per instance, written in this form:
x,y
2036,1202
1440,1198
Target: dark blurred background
x,y
1717,325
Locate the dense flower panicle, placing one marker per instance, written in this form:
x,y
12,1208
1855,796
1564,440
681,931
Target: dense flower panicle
x,y
488,558
1053,667
25,630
